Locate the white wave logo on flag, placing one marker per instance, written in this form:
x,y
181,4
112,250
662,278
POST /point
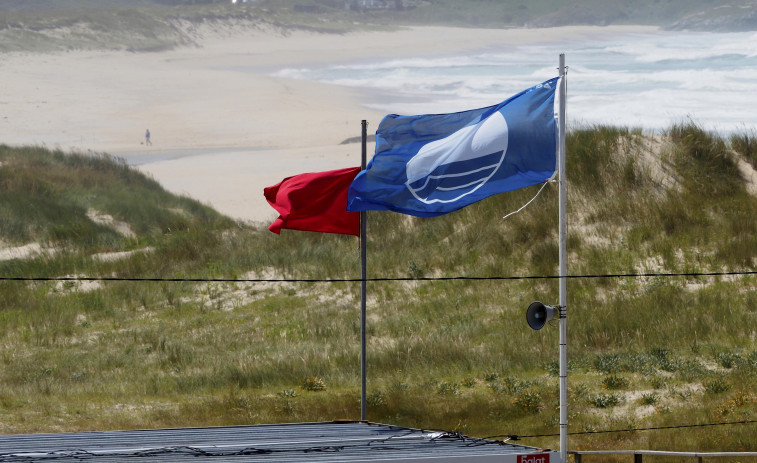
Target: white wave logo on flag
x,y
433,164
445,170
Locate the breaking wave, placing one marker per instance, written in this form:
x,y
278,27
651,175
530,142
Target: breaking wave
x,y
639,80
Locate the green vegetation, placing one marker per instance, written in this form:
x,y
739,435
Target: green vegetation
x,y
745,143
550,13
109,27
458,355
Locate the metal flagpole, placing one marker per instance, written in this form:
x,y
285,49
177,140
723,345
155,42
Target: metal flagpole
x,y
363,275
563,232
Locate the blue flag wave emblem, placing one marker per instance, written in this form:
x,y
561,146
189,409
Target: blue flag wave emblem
x,y
430,165
445,170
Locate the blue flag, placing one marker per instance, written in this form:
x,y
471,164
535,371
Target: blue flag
x,y
430,165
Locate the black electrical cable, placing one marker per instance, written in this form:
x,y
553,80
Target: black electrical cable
x,y
608,431
356,280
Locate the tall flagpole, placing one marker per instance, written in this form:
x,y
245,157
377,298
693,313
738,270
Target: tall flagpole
x,y
363,275
563,232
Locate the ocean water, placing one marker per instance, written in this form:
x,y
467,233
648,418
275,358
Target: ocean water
x,y
648,80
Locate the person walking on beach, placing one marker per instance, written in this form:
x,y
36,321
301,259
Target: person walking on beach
x,y
147,138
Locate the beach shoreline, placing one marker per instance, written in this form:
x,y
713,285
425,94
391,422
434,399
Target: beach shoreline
x,y
240,127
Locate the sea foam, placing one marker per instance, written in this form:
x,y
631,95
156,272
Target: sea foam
x,y
640,80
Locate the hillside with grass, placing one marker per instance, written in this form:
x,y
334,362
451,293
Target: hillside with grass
x,y
153,25
124,306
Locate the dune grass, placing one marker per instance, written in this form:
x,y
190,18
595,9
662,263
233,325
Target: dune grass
x,y
745,143
457,355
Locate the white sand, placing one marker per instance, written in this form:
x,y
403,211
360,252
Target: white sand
x,y
251,129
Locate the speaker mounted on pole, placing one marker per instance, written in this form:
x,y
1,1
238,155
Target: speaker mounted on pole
x,y
538,314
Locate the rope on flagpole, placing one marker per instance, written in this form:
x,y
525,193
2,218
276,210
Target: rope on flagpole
x,y
529,202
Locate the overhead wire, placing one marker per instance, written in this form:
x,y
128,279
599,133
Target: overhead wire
x,y
383,279
609,431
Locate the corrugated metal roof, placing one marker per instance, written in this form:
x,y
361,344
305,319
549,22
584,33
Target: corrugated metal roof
x,y
296,442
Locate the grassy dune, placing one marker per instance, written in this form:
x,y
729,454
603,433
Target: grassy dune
x,y
644,352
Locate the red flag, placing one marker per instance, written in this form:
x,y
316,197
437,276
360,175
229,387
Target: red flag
x,y
314,202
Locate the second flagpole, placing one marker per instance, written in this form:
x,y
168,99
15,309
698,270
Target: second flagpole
x,y
363,276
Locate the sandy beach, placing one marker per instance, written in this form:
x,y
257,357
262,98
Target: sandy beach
x,y
222,127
